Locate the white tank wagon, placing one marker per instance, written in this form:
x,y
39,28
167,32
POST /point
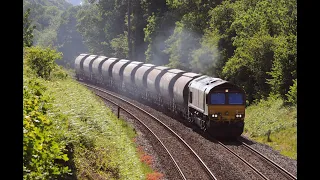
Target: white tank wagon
x,y
96,69
78,64
129,77
87,66
140,78
117,73
106,71
153,80
166,84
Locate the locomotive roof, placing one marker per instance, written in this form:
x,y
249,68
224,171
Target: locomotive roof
x,y
207,83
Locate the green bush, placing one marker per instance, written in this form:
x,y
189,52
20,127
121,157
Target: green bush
x,y
42,60
43,155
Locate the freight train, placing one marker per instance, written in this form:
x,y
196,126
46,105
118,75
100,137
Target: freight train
x,y
213,104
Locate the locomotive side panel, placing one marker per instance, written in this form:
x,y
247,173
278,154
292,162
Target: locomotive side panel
x,y
196,88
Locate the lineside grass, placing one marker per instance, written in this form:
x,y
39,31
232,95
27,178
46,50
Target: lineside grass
x,y
69,133
103,145
272,123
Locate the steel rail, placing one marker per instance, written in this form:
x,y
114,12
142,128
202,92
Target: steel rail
x,y
174,161
269,160
244,161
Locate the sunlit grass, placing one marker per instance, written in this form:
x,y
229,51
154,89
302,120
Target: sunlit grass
x,y
102,143
281,121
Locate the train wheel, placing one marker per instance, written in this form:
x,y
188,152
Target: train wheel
x,y
203,125
190,119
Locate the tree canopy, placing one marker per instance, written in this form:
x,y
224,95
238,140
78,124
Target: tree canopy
x,y
249,42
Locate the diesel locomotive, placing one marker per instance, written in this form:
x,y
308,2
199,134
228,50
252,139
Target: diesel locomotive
x,y
213,104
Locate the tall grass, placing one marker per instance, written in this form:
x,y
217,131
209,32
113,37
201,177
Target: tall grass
x,y
272,123
102,143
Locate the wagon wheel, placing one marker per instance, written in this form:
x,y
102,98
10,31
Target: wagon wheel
x,y
203,125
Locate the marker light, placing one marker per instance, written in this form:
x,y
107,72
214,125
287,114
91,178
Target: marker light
x,y
227,90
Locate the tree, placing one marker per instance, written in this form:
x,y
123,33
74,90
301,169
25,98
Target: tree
x,y
27,30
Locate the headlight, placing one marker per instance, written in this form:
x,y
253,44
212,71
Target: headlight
x,y
238,115
214,115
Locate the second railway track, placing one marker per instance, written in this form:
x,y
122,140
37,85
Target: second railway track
x,y
263,166
266,168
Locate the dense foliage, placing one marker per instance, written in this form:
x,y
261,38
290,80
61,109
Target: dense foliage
x,y
55,23
251,43
44,155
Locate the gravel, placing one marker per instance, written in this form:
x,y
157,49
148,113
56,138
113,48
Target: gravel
x,y
223,164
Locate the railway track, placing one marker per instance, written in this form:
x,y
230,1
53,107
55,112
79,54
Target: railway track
x,y
254,159
261,167
187,162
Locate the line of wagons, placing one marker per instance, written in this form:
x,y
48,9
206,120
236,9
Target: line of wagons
x,y
213,104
